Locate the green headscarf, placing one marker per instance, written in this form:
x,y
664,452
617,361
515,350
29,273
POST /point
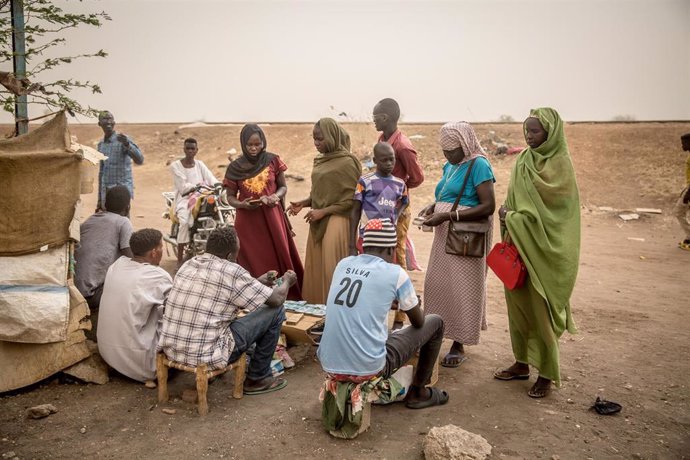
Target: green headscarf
x,y
335,137
334,176
544,218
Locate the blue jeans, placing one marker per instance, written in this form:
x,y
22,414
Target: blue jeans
x,y
262,326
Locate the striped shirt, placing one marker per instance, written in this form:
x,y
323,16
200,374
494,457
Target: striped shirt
x,y
206,295
117,169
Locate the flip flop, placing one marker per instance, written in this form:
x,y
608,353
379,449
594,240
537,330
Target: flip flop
x,y
462,359
505,374
539,392
275,385
684,246
437,398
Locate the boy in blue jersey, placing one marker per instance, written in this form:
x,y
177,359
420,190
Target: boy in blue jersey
x,y
355,340
379,195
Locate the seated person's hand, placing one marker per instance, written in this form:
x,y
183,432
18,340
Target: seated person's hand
x,y
268,278
290,277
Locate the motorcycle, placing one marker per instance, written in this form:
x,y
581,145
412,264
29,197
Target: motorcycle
x,y
210,211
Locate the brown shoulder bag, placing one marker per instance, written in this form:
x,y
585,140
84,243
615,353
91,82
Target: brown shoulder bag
x,y
467,238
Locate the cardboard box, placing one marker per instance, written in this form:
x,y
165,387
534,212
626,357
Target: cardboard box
x,y
299,331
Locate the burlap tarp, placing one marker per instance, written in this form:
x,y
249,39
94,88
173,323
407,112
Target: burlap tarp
x,y
40,184
22,364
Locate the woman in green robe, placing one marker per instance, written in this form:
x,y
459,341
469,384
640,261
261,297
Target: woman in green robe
x,y
333,181
541,216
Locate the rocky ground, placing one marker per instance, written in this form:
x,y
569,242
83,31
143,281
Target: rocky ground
x,y
630,305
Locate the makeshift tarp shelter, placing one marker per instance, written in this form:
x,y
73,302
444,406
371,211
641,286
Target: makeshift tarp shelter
x,y
42,315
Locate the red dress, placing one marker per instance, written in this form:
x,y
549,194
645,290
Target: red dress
x,y
265,240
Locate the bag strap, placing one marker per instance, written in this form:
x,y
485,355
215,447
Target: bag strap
x,y
464,184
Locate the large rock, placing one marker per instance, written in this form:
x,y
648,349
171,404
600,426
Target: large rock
x,y
41,411
93,369
452,442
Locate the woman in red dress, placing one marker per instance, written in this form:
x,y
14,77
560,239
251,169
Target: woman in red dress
x,y
255,186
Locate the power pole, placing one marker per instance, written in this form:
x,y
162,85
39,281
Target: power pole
x,y
21,113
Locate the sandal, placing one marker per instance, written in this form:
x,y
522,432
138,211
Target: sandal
x,y
684,245
539,390
459,356
505,374
437,398
274,385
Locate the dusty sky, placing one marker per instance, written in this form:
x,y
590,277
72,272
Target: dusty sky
x,y
184,60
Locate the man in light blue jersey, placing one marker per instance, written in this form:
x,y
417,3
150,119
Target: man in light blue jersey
x,y
356,341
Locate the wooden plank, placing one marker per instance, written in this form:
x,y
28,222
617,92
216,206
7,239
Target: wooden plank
x,y
293,318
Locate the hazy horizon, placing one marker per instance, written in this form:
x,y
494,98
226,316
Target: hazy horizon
x,y
278,61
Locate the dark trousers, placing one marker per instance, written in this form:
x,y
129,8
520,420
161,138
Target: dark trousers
x,y
262,326
402,345
94,301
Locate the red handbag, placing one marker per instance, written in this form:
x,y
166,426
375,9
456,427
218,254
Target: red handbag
x,y
506,263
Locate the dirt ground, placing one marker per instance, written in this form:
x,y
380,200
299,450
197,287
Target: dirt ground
x,y
630,304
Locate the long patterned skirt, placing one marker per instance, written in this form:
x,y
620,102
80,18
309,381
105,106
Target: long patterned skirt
x,y
455,287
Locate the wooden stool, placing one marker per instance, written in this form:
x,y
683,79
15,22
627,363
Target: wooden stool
x,y
202,375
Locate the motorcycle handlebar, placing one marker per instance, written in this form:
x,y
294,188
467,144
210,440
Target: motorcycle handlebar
x,y
216,187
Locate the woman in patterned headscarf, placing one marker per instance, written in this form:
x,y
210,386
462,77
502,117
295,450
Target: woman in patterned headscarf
x,y
541,216
455,286
333,181
255,186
